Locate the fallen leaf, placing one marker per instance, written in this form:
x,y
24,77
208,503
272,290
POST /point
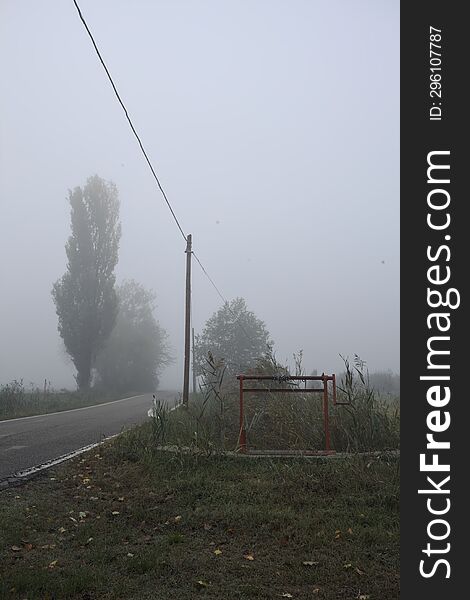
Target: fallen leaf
x,y
115,512
72,519
93,498
350,531
363,597
61,530
248,557
347,565
130,555
316,590
177,519
52,564
121,499
28,547
89,540
217,552
15,548
81,514
202,583
358,571
310,563
207,527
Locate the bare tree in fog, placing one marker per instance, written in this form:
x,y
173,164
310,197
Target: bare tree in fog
x,y
85,297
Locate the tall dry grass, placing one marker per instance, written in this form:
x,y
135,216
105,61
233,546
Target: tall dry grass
x,y
365,421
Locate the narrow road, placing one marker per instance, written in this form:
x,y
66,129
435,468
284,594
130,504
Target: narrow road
x,y
31,441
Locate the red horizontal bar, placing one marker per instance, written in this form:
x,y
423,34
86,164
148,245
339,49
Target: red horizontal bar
x,y
289,378
287,390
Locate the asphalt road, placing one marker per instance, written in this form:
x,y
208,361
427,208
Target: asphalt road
x,y
31,441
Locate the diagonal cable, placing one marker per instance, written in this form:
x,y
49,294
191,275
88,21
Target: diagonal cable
x,y
128,118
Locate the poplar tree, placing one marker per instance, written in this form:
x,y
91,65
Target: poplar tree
x,y
85,297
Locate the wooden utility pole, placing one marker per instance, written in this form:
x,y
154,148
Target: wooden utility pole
x,y
194,365
187,325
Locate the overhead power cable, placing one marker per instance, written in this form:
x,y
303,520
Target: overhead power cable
x,y
128,118
210,279
224,299
134,131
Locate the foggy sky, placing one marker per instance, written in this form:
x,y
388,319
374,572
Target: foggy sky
x,y
274,129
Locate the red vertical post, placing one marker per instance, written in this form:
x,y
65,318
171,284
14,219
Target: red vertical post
x,y
242,419
326,418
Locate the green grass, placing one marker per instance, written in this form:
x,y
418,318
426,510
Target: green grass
x,y
324,529
16,401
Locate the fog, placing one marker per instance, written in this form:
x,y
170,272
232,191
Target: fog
x,y
274,129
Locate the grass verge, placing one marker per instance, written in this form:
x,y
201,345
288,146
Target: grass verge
x,y
16,401
131,522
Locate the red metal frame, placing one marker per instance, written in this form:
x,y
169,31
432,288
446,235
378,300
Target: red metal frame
x,y
324,390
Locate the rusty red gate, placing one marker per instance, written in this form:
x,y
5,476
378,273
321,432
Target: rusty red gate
x,y
243,445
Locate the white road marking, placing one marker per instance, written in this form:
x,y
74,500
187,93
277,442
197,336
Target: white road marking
x,y
62,412
59,459
69,455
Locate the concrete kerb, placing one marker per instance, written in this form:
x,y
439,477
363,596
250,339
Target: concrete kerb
x,y
378,455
